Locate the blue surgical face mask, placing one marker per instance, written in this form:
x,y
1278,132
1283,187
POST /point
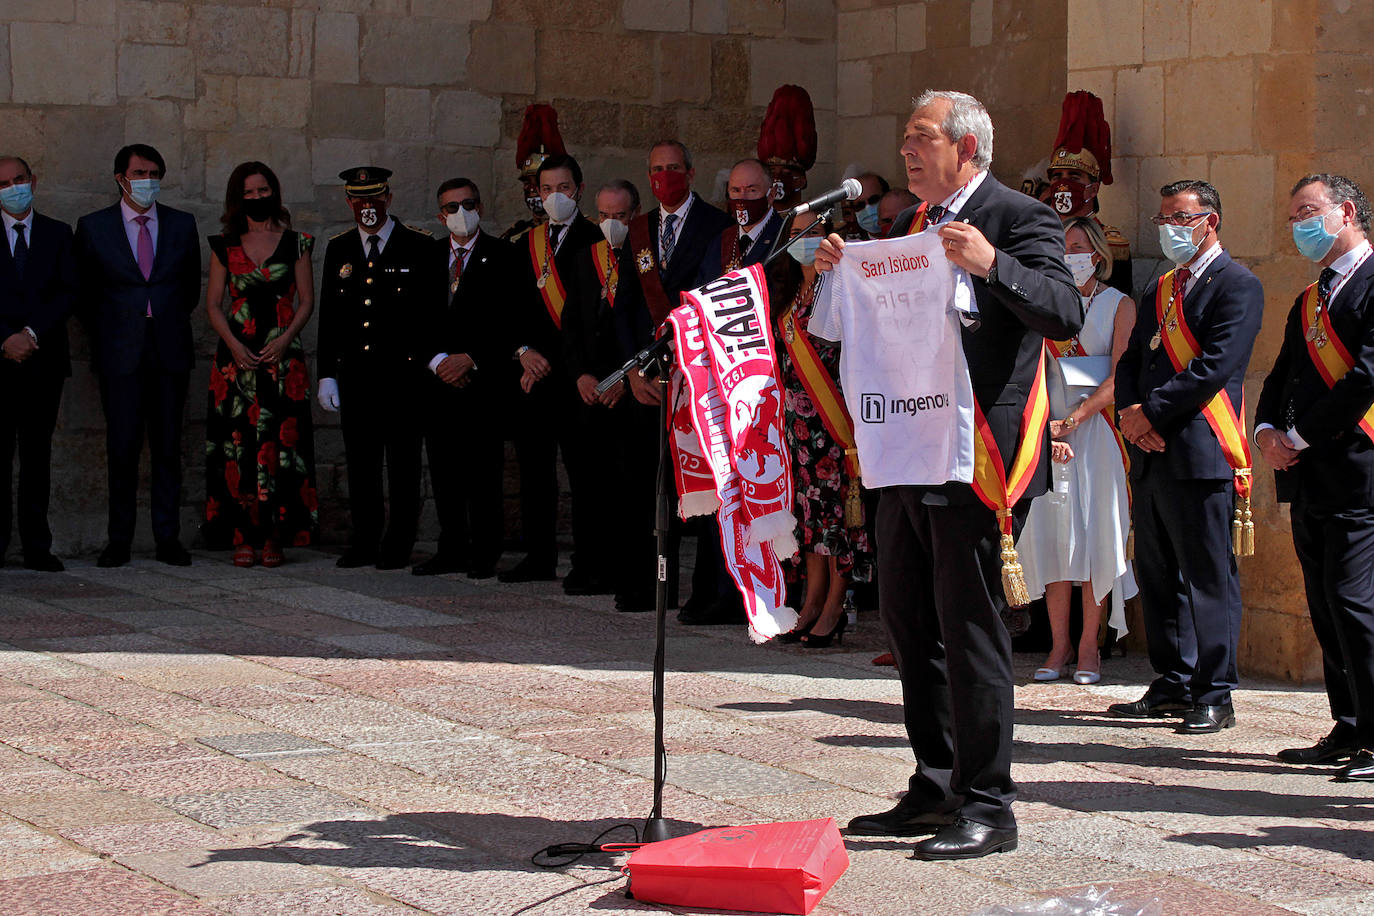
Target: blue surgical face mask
x,y
17,198
1311,237
1177,243
868,219
143,191
803,249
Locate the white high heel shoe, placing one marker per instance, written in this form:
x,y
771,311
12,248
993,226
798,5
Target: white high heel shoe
x,y
1049,674
1086,677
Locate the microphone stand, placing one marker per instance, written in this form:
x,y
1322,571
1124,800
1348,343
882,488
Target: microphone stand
x,y
657,359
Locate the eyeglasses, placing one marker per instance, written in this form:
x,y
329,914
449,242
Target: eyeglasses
x,y
452,207
1310,211
1178,219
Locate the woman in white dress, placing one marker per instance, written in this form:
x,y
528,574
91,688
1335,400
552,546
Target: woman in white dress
x,y
1076,533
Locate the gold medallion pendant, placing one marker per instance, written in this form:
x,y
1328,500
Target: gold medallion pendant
x,y
1155,341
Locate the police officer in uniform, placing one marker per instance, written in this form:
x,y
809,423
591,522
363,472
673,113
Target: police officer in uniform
x,y
379,301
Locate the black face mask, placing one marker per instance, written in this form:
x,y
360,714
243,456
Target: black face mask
x,y
260,209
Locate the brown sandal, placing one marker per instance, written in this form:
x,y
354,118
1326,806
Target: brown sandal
x,y
271,555
245,556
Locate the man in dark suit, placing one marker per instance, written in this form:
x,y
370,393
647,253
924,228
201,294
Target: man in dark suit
x,y
1182,481
139,264
37,294
669,245
470,366
744,242
547,408
939,562
382,292
1313,424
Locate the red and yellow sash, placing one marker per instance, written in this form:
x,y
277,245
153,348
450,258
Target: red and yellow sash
x,y
918,222
824,393
1062,348
551,287
644,247
1328,353
1000,491
1221,414
607,269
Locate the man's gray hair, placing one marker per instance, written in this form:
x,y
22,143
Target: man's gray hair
x,y
1339,189
966,116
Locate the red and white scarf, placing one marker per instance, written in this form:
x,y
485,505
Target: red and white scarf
x,y
733,406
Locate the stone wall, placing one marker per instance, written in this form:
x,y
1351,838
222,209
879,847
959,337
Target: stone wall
x,y
1250,95
1008,53
429,88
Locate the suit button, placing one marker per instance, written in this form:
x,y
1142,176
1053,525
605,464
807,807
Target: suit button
x,y
367,346
367,302
367,324
368,281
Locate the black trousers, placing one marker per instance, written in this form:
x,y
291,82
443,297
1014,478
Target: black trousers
x,y
149,402
466,463
1336,550
27,421
380,419
554,420
1189,586
635,488
940,587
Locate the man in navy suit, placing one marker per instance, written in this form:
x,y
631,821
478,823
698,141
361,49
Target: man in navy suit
x,y
669,245
37,293
745,241
139,263
1314,428
1183,487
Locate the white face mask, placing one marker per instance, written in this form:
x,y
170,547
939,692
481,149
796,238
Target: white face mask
x,y
1081,263
560,207
463,223
614,231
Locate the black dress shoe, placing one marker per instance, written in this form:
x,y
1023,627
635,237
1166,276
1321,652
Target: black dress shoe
x,y
393,560
356,557
903,820
112,556
482,572
1326,750
966,839
525,571
1360,768
1149,708
43,562
438,565
172,553
1204,720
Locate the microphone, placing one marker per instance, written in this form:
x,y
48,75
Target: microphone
x,y
849,189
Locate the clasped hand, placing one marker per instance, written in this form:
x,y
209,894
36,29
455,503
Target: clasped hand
x,y
1136,429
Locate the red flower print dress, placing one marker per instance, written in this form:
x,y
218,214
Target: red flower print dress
x,y
259,445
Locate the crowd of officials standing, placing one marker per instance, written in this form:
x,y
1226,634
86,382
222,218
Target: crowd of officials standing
x,y
454,344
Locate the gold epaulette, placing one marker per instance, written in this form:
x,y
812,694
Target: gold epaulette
x,y
518,231
1121,249
344,233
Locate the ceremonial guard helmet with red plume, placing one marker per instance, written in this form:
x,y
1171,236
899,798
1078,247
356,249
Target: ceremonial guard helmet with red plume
x,y
787,142
539,138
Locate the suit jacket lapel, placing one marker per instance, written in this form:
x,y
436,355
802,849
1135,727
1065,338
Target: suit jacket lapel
x,y
1352,296
1201,293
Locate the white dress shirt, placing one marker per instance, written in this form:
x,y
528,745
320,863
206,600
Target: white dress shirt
x,y
383,234
131,228
681,214
11,234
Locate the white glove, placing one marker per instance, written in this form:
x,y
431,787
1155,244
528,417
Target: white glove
x,y
329,395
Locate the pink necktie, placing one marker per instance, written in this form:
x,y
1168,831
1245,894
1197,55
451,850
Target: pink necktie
x,y
145,251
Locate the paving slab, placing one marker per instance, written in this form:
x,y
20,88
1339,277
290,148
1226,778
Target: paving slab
x,y
309,741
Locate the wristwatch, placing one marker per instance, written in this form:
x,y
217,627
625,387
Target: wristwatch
x,y
521,351
1069,422
991,278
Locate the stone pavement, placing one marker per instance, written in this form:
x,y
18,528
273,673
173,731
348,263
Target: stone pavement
x,y
312,741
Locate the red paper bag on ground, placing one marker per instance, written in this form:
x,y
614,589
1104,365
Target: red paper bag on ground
x,y
768,868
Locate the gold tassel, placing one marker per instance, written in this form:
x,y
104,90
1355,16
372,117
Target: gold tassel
x,y
853,506
1130,544
1247,543
1013,578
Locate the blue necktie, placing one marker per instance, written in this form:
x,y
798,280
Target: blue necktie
x,y
21,249
667,239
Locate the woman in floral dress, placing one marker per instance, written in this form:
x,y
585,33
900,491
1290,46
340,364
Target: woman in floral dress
x,y
259,446
835,549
